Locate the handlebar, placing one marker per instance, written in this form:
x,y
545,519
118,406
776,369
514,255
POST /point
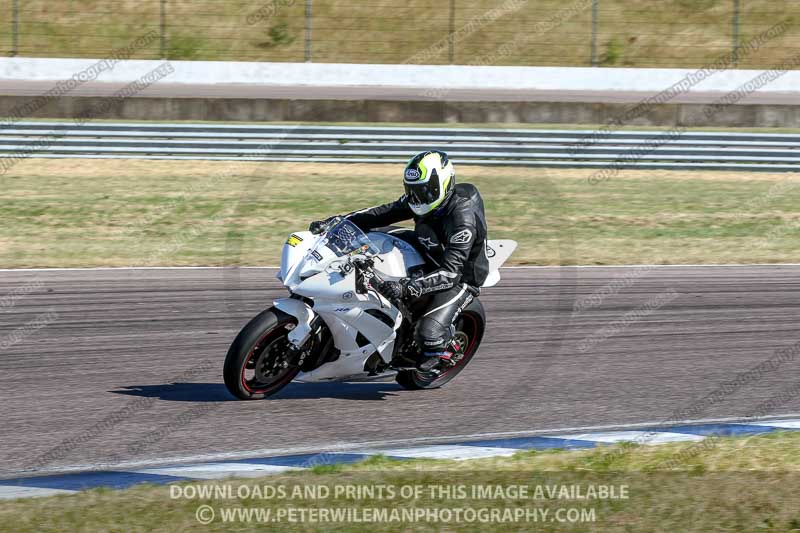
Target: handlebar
x,y
365,274
327,224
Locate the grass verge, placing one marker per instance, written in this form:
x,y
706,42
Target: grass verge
x,y
638,33
59,213
725,484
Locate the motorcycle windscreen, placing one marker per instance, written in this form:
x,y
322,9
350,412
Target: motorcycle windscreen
x,y
345,238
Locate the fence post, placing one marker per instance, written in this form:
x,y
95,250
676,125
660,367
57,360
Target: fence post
x,y
736,14
451,48
595,15
308,31
15,28
163,25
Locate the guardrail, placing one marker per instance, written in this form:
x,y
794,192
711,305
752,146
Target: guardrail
x,y
776,152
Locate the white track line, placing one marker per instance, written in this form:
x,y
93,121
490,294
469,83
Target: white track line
x,y
788,424
452,451
690,265
219,470
380,445
645,437
519,267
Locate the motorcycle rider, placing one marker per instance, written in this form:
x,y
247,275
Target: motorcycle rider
x,y
450,227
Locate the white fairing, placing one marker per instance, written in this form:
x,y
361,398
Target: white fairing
x,y
497,252
312,270
292,254
397,255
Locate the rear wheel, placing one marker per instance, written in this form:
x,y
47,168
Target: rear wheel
x,y
469,333
259,363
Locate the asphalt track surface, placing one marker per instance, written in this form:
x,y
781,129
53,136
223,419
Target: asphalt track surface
x,y
126,365
165,89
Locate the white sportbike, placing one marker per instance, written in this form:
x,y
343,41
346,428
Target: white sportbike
x,y
335,327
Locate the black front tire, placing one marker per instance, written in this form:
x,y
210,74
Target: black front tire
x,y
471,324
261,349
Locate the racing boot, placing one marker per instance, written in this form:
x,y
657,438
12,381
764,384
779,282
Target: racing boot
x,y
441,358
431,360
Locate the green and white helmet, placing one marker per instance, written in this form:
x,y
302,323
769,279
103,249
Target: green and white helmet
x,y
429,181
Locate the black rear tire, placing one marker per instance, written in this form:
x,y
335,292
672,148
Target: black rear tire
x,y
469,324
260,349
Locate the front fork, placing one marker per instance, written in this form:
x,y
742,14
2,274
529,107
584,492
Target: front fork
x,y
305,316
301,336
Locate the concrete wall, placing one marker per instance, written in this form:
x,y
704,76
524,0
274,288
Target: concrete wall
x,y
187,76
415,111
236,91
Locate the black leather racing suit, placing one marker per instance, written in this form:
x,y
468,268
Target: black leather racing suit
x,y
454,236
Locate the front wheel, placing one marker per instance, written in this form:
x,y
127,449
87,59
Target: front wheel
x,y
469,333
258,362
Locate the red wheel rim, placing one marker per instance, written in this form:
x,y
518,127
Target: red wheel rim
x,y
468,352
280,383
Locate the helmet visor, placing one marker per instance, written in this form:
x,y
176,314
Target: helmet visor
x,y
423,193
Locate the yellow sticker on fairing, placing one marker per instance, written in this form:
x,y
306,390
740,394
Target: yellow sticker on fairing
x,y
293,240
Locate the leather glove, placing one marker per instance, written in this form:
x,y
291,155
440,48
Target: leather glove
x,y
318,226
394,291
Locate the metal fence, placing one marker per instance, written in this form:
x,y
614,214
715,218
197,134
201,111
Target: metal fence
x,y
670,33
518,147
